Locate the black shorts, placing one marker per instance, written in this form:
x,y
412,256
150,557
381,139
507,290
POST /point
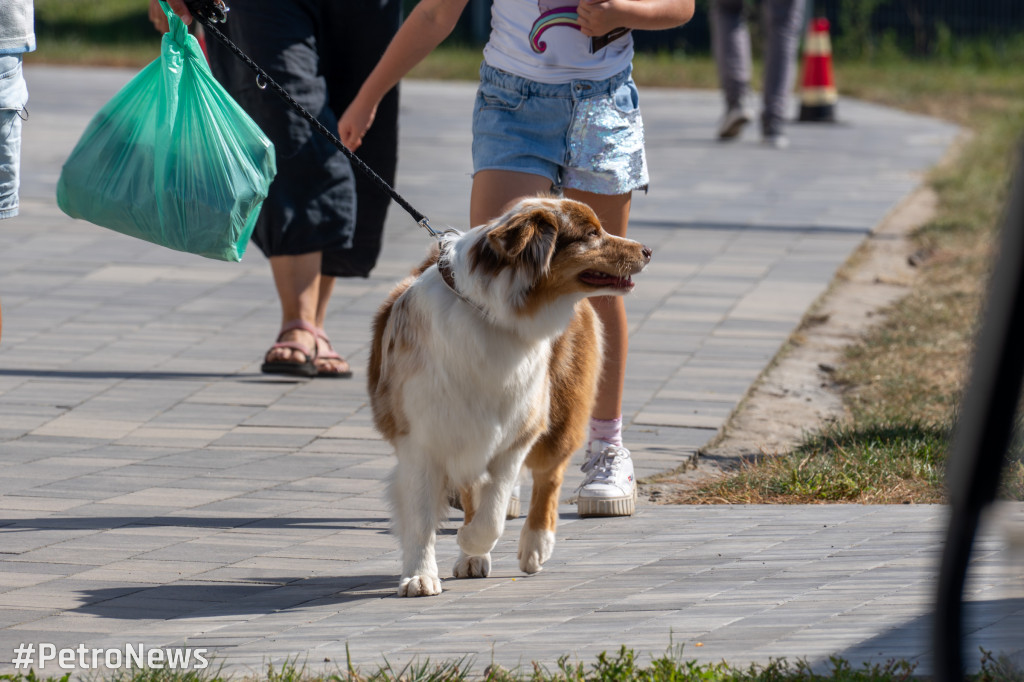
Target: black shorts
x,y
319,51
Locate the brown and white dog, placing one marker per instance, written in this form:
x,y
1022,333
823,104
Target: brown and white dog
x,y
487,358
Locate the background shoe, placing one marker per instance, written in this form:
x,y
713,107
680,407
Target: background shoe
x,y
775,140
771,133
733,121
609,488
514,505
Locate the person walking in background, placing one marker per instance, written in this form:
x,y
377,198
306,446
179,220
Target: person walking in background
x,y
312,226
556,108
782,21
17,36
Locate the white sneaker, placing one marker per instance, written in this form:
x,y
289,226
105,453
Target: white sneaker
x,y
609,488
733,122
514,507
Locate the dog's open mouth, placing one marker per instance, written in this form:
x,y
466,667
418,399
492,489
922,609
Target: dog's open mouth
x,y
602,279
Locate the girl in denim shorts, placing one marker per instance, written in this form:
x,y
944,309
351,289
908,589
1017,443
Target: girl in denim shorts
x,y
556,108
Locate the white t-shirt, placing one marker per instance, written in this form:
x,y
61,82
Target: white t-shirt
x,y
541,40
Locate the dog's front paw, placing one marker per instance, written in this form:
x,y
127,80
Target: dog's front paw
x,y
535,547
419,586
473,566
475,540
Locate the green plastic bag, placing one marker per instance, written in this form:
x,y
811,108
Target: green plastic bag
x,y
172,158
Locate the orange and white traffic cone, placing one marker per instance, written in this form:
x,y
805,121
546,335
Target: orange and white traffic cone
x,y
818,95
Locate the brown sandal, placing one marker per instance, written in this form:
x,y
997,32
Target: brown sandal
x,y
307,368
329,354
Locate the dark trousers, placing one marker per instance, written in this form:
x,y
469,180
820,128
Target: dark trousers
x,y
782,21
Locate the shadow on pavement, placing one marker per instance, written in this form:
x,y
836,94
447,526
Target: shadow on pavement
x,y
111,522
699,225
109,374
211,599
993,625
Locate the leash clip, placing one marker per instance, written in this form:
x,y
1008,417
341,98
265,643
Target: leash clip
x,y
210,10
425,224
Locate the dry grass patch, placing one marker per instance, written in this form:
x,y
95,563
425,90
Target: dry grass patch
x,y
903,380
873,465
913,365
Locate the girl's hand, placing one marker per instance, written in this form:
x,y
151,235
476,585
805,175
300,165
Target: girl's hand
x,y
598,17
354,123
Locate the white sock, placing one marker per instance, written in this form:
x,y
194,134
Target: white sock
x,y
608,430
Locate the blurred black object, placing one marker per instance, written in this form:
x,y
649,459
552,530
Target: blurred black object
x,y
985,428
211,10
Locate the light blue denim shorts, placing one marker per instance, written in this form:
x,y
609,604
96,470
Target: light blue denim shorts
x,y
584,135
13,98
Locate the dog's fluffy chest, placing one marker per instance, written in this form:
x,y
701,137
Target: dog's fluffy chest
x,y
483,387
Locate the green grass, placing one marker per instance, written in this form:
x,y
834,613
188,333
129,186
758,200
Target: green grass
x,y
623,666
912,368
870,464
108,33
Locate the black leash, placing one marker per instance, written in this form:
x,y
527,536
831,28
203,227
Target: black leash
x,y
209,12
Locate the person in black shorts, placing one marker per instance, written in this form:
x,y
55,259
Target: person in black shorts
x,y
319,221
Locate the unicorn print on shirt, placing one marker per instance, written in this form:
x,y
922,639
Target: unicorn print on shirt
x,y
554,13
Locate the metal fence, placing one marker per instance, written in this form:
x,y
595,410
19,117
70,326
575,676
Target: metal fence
x,y
922,27
912,27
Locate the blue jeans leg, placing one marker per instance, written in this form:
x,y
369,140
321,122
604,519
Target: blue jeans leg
x,y
13,98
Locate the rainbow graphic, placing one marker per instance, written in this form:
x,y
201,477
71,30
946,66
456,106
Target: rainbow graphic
x,y
559,16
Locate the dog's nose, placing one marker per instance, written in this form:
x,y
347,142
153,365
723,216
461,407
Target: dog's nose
x,y
647,254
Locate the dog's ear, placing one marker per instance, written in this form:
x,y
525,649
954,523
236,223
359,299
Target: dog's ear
x,y
527,237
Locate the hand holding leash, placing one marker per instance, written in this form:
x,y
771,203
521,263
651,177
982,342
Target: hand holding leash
x,y
209,12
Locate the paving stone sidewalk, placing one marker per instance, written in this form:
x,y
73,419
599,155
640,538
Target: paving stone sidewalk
x,y
157,489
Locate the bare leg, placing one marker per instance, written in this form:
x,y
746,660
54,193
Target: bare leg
x,y
327,365
323,298
494,190
613,211
297,279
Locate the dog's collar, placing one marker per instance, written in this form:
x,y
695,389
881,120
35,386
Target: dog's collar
x,y
444,268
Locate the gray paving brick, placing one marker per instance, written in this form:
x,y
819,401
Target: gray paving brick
x,y
156,488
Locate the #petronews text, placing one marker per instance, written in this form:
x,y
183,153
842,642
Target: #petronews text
x,y
131,656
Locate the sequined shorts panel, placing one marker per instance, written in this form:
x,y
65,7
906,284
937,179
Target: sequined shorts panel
x,y
584,135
